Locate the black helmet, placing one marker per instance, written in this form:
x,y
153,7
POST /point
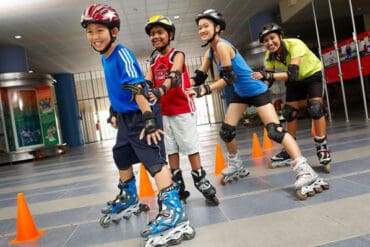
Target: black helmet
x,y
160,20
269,28
215,16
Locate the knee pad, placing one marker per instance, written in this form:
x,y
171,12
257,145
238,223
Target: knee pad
x,y
275,132
227,132
290,113
315,109
154,169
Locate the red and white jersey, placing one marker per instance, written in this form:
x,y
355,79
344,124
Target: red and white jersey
x,y
176,101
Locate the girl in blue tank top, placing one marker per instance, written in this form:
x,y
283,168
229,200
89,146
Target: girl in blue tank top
x,y
247,91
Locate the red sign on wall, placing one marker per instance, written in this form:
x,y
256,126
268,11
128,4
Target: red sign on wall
x,y
348,58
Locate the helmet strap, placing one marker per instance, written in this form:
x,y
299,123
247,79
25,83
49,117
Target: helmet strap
x,y
211,39
112,39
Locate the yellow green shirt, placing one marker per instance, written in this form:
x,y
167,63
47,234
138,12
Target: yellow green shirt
x,y
293,48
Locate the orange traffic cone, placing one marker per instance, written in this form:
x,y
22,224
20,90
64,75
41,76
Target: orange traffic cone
x,y
256,148
267,144
220,161
145,188
26,228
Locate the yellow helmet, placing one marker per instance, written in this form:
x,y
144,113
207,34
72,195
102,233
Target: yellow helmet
x,y
160,20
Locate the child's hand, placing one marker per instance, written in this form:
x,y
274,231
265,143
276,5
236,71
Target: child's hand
x,y
155,136
152,98
113,122
257,76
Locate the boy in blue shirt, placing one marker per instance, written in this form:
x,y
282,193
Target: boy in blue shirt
x,y
139,134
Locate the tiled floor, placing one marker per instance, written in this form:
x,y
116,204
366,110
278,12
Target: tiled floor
x,y
65,195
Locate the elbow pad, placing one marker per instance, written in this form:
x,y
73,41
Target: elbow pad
x,y
175,77
200,77
227,73
293,72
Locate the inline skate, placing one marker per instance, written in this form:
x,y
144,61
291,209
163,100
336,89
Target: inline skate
x,y
234,170
171,226
179,181
204,186
308,182
323,153
124,205
280,160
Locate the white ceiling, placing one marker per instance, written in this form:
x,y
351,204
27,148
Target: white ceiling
x,y
55,42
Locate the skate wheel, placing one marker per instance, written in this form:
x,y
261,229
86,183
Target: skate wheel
x,y
144,207
325,186
318,189
116,221
175,241
311,193
189,236
271,166
105,221
236,178
300,196
126,217
214,200
327,168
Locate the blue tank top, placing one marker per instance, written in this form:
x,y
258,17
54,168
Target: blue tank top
x,y
244,85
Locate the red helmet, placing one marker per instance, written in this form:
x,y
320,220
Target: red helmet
x,y
101,14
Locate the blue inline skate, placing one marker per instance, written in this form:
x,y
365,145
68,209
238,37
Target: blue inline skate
x,y
171,226
124,205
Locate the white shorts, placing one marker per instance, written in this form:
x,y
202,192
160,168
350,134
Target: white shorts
x,y
181,134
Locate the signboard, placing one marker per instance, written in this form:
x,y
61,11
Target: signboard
x,y
348,59
47,116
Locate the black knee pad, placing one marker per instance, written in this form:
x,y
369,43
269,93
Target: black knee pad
x,y
154,169
275,132
290,113
315,109
227,132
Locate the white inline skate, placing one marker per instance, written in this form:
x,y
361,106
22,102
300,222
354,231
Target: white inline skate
x,y
323,153
280,159
124,205
171,226
234,170
308,182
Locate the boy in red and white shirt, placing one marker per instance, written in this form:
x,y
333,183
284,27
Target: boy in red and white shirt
x,y
170,79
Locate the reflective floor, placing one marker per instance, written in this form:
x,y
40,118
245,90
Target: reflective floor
x,y
65,195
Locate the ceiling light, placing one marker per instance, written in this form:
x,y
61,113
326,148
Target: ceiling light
x,y
176,17
17,36
30,71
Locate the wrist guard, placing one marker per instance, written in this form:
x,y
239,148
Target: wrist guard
x,y
175,77
268,76
150,124
199,78
198,90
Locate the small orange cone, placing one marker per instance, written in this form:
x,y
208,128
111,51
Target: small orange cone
x,y
267,144
256,148
220,161
26,228
145,188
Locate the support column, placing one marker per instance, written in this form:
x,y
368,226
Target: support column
x,y
68,109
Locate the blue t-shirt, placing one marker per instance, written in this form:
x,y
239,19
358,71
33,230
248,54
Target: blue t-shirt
x,y
244,85
121,68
